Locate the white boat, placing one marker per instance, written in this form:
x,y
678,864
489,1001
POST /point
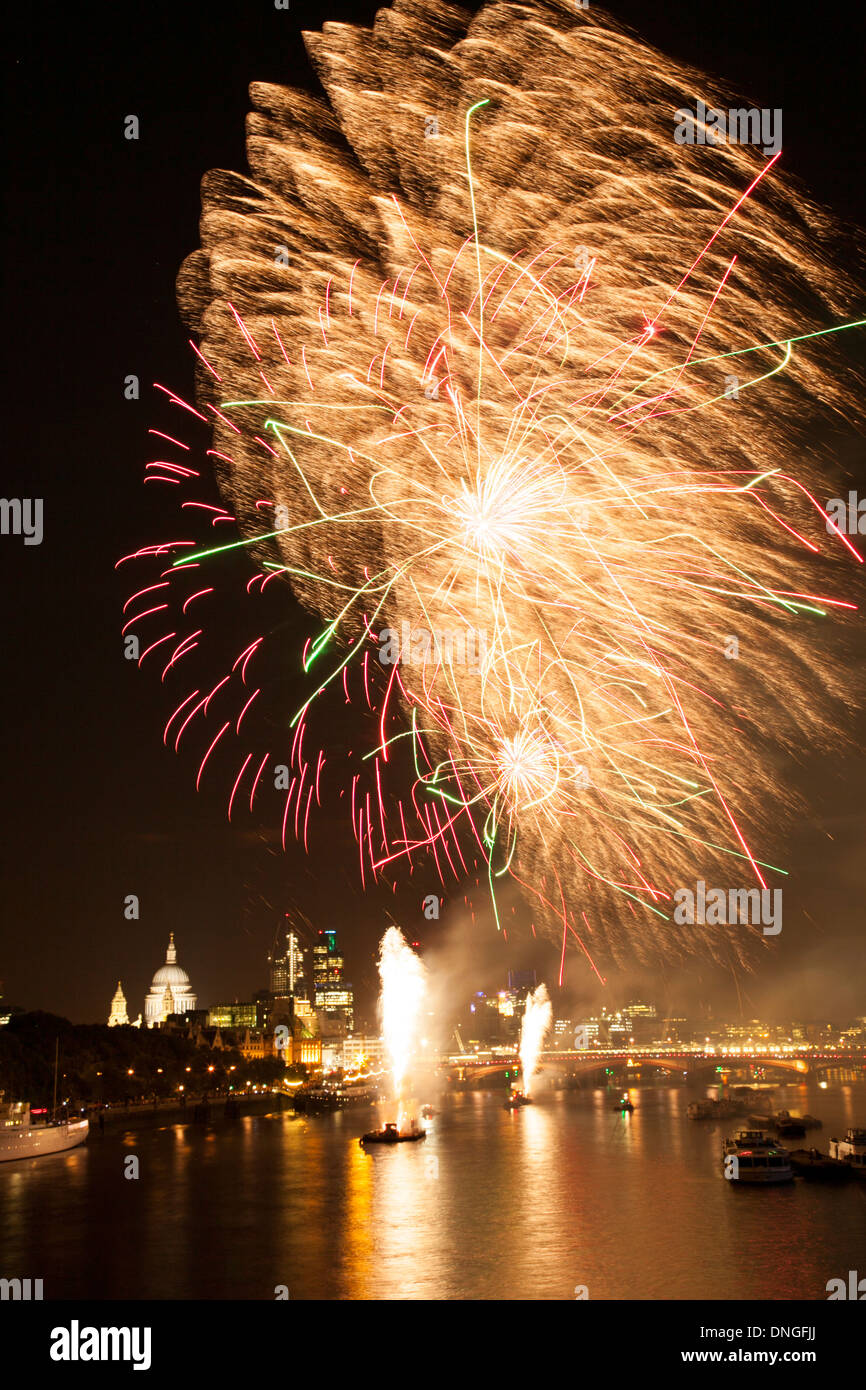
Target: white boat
x,y
752,1157
21,1138
851,1150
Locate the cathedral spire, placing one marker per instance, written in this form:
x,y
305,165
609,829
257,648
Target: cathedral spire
x,y
171,953
118,1014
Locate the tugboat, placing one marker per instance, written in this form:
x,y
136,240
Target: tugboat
x,y
20,1138
515,1100
623,1104
392,1135
751,1157
851,1151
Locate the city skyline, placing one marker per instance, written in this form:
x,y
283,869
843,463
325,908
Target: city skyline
x,y
433,721
115,810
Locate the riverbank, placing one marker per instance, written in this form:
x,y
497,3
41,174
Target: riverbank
x,y
195,1111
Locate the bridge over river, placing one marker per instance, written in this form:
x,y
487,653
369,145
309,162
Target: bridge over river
x,y
694,1063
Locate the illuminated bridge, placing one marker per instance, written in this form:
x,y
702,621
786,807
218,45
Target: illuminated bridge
x,y
691,1062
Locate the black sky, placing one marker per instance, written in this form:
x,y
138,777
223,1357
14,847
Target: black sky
x,y
94,806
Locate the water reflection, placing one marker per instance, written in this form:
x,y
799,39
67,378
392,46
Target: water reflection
x,y
494,1203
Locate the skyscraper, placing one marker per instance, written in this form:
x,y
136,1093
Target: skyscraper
x,y
327,962
287,965
332,995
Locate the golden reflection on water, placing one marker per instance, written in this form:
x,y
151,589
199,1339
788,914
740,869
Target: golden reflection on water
x,y
358,1228
493,1204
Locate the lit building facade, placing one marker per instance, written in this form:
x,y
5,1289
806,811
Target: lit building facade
x,y
333,997
306,1051
495,1018
363,1053
675,1030
327,961
170,992
234,1016
642,1022
118,1016
591,1035
288,967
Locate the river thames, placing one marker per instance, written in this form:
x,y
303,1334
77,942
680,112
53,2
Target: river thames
x,y
540,1203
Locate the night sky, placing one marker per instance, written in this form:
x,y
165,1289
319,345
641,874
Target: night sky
x,y
95,807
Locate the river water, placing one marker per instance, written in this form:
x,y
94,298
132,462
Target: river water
x,y
535,1203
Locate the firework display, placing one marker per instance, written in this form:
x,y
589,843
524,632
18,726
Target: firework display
x,y
517,396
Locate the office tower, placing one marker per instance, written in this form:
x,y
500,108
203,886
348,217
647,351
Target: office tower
x,y
332,995
287,964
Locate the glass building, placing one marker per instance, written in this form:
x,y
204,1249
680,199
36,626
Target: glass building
x,y
287,964
332,995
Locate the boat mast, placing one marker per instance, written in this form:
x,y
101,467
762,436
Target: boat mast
x,y
56,1055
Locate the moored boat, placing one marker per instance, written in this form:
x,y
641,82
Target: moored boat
x,y
852,1151
752,1157
819,1167
793,1126
722,1109
318,1100
21,1138
790,1129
